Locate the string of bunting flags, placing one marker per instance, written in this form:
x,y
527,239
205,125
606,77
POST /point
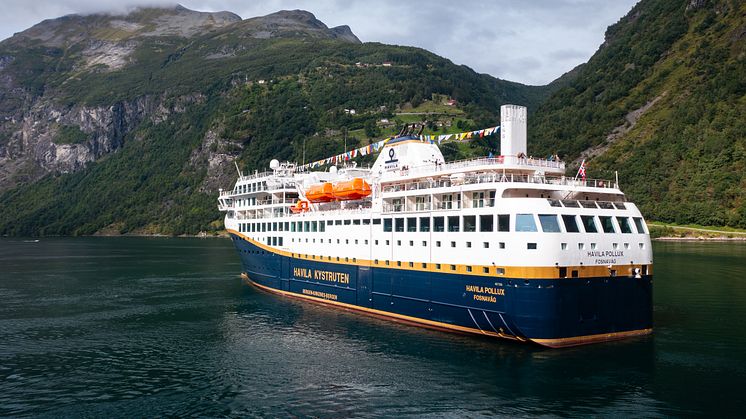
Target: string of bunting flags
x,y
375,147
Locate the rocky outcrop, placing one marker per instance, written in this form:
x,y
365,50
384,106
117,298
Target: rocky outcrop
x,y
217,156
34,145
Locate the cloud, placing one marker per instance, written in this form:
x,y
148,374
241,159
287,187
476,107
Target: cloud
x,y
531,42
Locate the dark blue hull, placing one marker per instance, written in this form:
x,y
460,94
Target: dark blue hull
x,y
551,312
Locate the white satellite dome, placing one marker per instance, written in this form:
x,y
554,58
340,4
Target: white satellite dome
x,y
333,169
274,164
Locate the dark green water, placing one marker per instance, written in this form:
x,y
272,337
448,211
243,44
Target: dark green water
x,y
104,327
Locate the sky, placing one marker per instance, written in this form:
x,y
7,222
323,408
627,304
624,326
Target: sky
x,y
527,41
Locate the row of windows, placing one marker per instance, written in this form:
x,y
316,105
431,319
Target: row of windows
x,y
571,203
438,243
467,223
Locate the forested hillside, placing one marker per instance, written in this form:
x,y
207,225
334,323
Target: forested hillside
x,y
663,101
130,124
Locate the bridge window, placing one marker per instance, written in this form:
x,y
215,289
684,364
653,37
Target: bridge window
x,y
639,225
525,222
588,204
624,224
549,223
554,203
620,205
607,224
571,225
589,223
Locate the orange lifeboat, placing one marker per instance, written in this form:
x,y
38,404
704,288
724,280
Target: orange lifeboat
x,y
323,192
300,206
351,189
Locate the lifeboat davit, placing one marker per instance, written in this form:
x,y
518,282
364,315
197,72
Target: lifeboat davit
x,y
351,189
300,206
322,192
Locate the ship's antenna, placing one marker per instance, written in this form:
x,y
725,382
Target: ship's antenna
x,y
616,176
304,151
240,175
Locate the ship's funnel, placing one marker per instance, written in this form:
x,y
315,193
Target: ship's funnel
x,y
512,130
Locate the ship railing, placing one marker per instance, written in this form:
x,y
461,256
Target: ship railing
x,y
493,177
499,161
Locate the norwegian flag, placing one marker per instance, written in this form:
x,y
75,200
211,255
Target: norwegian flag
x,y
581,171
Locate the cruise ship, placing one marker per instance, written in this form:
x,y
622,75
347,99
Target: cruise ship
x,y
505,246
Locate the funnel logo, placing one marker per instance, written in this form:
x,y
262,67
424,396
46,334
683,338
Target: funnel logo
x,y
392,162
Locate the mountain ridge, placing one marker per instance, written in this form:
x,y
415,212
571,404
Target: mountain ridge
x,y
133,129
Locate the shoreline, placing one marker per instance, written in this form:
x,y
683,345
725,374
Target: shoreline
x,y
703,239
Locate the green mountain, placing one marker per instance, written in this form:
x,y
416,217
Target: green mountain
x,y
130,124
663,102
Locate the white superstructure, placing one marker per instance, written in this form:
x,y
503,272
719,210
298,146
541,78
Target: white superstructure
x,y
484,216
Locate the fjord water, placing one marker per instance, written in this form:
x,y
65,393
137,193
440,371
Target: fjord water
x,y
155,327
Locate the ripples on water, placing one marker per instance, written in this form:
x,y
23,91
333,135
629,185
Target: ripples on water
x,y
148,327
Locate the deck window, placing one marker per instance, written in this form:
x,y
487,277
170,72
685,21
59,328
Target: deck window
x,y
387,224
347,222
549,223
569,203
525,222
337,222
438,224
322,226
376,221
412,224
588,204
398,224
314,226
607,224
624,224
639,225
453,223
503,222
366,221
306,226
605,205
486,222
554,203
470,223
620,205
589,223
571,225
424,224
356,222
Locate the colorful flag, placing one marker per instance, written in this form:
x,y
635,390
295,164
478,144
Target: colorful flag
x,y
581,171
